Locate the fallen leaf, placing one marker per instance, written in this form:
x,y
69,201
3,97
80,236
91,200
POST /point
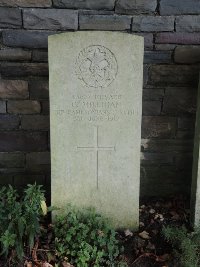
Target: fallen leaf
x,y
144,235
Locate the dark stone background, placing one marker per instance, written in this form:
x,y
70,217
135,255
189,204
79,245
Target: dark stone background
x,y
171,29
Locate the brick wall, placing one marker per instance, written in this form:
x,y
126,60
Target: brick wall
x,y
171,29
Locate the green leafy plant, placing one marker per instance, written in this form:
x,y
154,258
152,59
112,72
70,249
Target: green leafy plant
x,y
19,219
186,245
84,238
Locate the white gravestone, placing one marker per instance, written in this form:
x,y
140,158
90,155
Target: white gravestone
x,y
195,192
95,113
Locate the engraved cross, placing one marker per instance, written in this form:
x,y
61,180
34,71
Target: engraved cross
x,y
96,148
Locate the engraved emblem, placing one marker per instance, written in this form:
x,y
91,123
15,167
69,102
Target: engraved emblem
x,y
96,66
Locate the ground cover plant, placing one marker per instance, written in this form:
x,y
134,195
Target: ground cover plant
x,y
83,238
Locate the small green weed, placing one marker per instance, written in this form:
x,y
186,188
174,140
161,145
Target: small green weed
x,y
86,239
186,245
19,219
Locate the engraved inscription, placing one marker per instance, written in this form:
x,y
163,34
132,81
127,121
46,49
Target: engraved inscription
x,y
96,148
96,66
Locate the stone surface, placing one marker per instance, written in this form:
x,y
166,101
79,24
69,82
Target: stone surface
x,y
152,23
11,160
165,47
40,56
26,3
27,39
158,127
151,57
195,189
177,7
10,18
23,141
2,106
148,39
151,107
36,122
153,94
179,101
92,95
23,107
14,89
148,158
9,122
104,22
167,145
188,24
12,69
187,54
182,75
177,38
86,4
15,54
39,89
50,19
135,7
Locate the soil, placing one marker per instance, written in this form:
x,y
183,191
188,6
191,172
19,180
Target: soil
x,y
145,248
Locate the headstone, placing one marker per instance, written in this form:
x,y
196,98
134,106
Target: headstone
x,y
195,192
95,111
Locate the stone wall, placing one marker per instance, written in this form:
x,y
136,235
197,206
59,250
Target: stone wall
x,y
171,29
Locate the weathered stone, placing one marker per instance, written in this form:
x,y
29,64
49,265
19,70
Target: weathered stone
x,y
152,23
39,89
167,145
151,107
148,158
188,24
170,7
23,107
135,7
87,4
179,101
187,54
186,123
26,3
195,188
104,22
145,74
35,122
9,122
2,106
174,75
27,39
89,104
10,69
165,47
15,54
95,12
14,89
177,38
21,180
151,57
50,19
45,107
6,179
11,160
40,56
174,181
185,134
183,161
10,18
38,162
148,39
153,94
158,127
38,158
23,141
